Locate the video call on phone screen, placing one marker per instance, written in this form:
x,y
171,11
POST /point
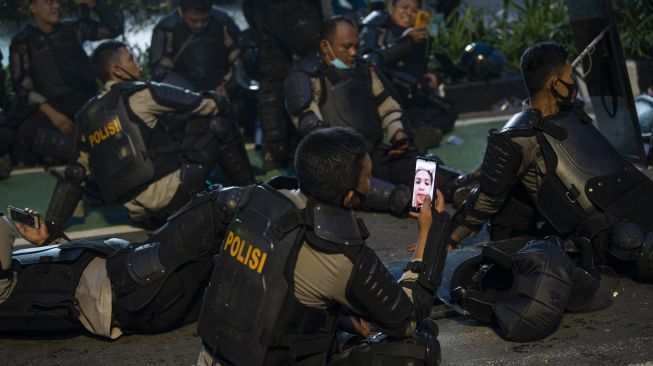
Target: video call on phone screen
x,y
424,183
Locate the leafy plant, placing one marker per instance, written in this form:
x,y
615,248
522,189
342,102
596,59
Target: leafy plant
x,y
635,29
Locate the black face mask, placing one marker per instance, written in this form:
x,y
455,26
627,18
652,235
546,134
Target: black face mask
x,y
572,91
132,77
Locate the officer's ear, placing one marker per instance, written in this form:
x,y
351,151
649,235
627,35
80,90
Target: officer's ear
x,y
325,49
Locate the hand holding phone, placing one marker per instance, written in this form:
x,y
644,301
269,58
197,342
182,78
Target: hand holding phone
x,y
422,19
24,217
424,182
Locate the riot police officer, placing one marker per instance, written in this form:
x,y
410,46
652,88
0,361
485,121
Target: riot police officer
x,y
112,286
131,156
50,71
7,131
391,41
284,28
294,256
196,42
550,165
338,89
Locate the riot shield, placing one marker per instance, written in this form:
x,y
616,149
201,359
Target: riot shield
x,y
607,80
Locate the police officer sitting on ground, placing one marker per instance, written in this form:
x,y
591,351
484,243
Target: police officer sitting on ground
x,y
131,157
294,256
197,43
51,73
196,47
550,164
391,41
112,286
338,89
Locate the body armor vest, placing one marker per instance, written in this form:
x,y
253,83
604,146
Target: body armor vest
x,y
47,278
125,155
201,59
60,68
250,315
347,100
585,175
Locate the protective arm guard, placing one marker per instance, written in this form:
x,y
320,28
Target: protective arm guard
x,y
435,252
396,51
65,196
309,122
373,290
220,100
157,52
500,166
171,96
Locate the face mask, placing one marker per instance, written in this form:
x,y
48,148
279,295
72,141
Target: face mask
x,y
572,91
336,62
132,77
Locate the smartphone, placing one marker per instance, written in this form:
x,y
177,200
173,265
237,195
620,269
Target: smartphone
x,y
422,19
22,216
424,182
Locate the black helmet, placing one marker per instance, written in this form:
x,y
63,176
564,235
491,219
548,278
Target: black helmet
x,y
482,61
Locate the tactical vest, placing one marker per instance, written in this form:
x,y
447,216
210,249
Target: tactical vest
x,y
60,67
347,100
250,315
125,154
201,59
585,175
44,297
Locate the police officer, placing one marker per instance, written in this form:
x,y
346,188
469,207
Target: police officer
x,y
198,43
284,28
50,72
294,257
338,89
112,286
132,158
550,164
391,41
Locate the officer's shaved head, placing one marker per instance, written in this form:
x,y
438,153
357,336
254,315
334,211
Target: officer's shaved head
x,y
202,6
105,56
541,61
329,163
330,25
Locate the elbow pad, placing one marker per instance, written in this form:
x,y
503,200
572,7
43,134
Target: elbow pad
x,y
501,163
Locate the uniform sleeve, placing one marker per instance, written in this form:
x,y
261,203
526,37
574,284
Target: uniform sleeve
x,y
7,238
505,162
110,25
21,81
389,109
147,109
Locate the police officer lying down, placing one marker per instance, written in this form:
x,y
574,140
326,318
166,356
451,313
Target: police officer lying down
x,y
130,153
294,257
112,286
549,163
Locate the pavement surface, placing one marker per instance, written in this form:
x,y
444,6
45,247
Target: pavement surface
x,y
619,335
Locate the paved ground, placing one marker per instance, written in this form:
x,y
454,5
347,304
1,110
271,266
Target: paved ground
x,y
620,335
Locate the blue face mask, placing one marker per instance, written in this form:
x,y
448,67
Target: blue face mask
x,y
338,63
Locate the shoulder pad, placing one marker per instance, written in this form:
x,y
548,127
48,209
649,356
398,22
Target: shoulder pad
x,y
337,225
129,87
309,65
298,92
219,15
174,97
376,19
23,34
523,122
169,21
283,182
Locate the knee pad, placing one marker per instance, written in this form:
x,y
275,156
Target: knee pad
x,y
386,197
625,240
225,130
54,144
644,260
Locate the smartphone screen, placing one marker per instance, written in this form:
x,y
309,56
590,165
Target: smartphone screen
x,y
18,215
422,18
424,183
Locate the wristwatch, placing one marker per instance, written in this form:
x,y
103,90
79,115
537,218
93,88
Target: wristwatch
x,y
414,266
